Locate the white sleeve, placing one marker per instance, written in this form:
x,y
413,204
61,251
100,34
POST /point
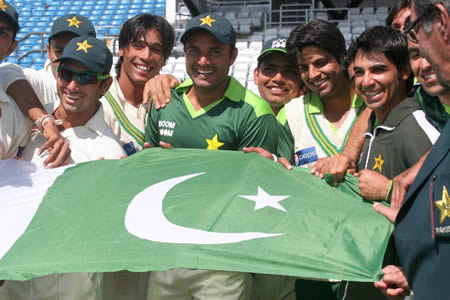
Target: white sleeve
x,y
10,73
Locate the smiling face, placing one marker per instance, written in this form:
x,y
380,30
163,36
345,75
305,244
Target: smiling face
x,y
142,59
424,72
77,98
377,82
320,72
277,79
208,61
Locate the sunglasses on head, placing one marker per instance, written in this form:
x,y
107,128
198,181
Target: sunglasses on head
x,y
83,78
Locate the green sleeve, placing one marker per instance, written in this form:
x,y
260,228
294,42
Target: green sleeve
x,y
261,132
151,129
285,143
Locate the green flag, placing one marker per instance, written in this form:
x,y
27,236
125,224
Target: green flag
x,y
162,209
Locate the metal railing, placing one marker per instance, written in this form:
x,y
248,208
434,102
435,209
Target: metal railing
x,y
42,49
290,15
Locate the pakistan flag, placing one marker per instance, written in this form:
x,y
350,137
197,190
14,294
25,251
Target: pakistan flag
x,y
162,209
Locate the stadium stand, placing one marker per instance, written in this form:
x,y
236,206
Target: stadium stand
x,y
255,22
37,16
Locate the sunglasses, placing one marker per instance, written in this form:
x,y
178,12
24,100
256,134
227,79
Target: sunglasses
x,y
410,30
83,78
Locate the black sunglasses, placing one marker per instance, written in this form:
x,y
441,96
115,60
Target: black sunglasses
x,y
83,78
410,32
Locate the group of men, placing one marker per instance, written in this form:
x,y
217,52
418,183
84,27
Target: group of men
x,y
323,106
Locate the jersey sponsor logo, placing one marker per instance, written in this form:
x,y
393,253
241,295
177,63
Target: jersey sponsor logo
x,y
129,148
305,156
166,127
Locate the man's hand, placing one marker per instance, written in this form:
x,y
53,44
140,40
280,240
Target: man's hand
x,y
56,145
157,90
162,144
373,185
393,284
337,165
402,181
263,152
389,213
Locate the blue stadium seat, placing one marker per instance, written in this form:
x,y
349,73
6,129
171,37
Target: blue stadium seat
x,y
101,31
102,23
123,6
111,6
114,31
117,22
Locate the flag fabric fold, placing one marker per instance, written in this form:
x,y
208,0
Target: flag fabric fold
x,y
162,209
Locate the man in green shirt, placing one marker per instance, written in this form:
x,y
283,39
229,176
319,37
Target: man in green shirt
x,y
278,82
210,110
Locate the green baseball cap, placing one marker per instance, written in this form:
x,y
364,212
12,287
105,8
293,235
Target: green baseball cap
x,y
277,44
89,51
219,26
10,14
73,23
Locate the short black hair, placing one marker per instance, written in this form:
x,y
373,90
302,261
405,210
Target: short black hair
x,y
319,33
398,6
387,41
136,27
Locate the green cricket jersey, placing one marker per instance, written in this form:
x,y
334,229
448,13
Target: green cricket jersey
x,y
237,120
285,137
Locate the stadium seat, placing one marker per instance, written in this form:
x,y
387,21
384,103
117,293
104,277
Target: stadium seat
x,y
114,31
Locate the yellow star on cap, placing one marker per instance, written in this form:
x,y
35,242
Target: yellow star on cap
x,y
444,204
84,46
73,22
3,6
378,163
207,20
213,144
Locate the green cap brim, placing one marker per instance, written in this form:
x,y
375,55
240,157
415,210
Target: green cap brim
x,y
269,51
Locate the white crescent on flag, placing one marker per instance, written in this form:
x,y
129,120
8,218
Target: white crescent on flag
x,y
145,219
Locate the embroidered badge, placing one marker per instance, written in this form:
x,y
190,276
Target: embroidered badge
x,y
305,156
214,143
443,214
378,163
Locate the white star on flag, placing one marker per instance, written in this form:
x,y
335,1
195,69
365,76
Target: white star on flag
x,y
263,199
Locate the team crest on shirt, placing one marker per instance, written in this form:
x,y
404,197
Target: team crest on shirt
x,y
378,163
166,128
214,143
442,214
305,156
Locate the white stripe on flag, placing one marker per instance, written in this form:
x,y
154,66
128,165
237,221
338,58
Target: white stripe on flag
x,y
22,188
